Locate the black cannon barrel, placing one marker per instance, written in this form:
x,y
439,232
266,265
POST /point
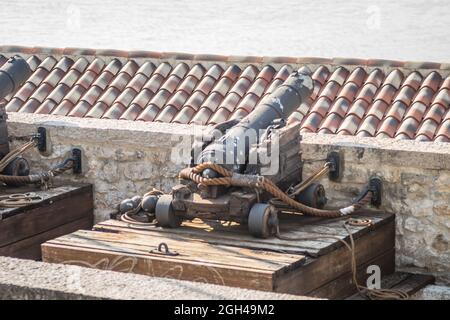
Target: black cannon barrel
x,y
12,75
277,105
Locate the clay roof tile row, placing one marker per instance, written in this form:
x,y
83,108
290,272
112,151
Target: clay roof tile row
x,y
369,98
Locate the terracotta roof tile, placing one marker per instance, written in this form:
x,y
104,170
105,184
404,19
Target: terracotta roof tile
x,y
349,125
446,83
321,74
427,130
248,103
330,90
388,127
405,94
442,98
46,107
232,72
436,112
241,86
30,106
368,126
357,76
185,115
275,84
321,106
375,77
331,123
143,98
131,113
349,91
238,114
220,115
32,61
149,113
394,78
202,116
223,86
382,98
250,72
408,128
154,83
386,93
167,114
367,92
312,122
424,96
339,75
432,81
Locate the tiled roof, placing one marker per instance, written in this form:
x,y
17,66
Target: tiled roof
x,y
369,98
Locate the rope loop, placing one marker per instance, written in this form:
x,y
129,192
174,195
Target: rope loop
x,y
268,186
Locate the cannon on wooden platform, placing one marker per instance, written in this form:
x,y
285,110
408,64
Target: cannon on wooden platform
x,y
248,170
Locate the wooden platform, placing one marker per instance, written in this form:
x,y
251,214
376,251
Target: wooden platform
x,y
64,209
225,254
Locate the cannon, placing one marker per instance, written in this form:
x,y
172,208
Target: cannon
x,y
12,75
249,170
242,152
14,169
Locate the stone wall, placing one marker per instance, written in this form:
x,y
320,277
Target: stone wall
x,y
416,178
121,158
124,158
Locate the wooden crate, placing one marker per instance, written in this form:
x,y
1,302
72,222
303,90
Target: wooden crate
x,y
64,209
227,255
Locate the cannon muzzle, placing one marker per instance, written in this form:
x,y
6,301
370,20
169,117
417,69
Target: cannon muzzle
x,y
12,75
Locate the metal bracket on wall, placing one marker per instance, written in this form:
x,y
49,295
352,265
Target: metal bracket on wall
x,y
334,158
376,186
42,139
76,156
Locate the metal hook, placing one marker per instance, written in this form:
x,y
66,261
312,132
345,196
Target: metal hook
x,y
166,251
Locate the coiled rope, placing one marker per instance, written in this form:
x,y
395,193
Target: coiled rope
x,y
127,217
19,199
230,178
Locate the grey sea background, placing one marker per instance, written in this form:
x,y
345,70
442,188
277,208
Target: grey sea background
x,y
400,29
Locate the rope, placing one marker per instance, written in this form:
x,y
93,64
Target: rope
x,y
135,224
40,178
16,152
229,179
19,200
306,183
372,294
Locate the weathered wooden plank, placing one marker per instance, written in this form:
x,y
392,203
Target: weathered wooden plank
x,y
158,267
188,250
214,236
343,286
54,211
49,196
30,248
317,272
414,283
387,282
237,235
402,281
